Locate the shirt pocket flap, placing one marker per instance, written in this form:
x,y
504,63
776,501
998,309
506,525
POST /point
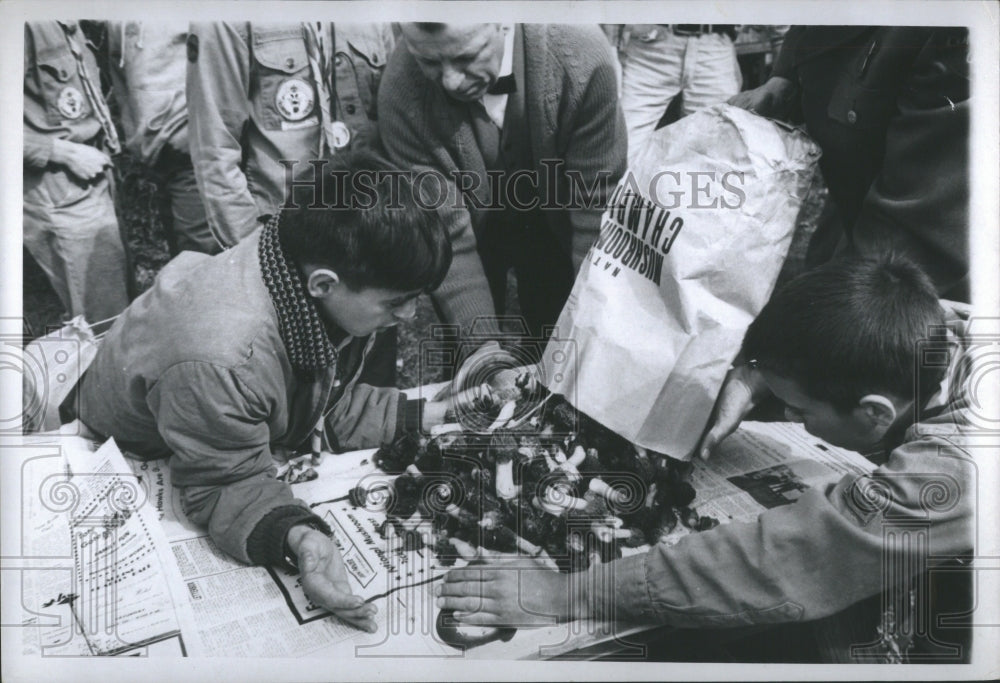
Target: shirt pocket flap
x,y
58,65
283,50
370,47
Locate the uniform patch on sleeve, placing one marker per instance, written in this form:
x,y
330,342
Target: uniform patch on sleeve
x,y
192,48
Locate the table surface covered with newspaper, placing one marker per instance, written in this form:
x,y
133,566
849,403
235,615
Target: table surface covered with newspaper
x,y
127,573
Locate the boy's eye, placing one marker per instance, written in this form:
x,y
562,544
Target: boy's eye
x,y
402,301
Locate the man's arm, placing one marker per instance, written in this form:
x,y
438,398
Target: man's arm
x,y
367,417
218,81
918,203
37,150
805,560
410,143
216,428
799,562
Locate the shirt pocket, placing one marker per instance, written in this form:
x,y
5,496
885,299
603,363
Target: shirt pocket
x,y
283,93
367,56
61,89
861,108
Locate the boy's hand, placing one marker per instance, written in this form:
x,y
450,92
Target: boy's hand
x,y
434,413
743,389
773,99
324,578
83,161
488,360
521,592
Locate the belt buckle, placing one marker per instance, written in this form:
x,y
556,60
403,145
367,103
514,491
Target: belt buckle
x,y
689,33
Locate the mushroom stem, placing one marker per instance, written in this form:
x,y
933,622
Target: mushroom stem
x,y
504,416
563,499
446,428
602,488
464,549
426,531
606,534
527,546
505,486
614,522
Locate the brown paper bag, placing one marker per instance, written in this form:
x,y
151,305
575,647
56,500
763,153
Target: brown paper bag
x,y
691,243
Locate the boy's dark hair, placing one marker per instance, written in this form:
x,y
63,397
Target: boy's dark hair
x,y
851,327
361,221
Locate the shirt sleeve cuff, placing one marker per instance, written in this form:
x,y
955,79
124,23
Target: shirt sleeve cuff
x,y
618,590
410,415
266,543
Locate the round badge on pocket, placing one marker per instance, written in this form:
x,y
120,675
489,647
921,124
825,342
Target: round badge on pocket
x,y
294,99
70,102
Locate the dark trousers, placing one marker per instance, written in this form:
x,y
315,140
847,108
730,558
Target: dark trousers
x,y
543,270
181,207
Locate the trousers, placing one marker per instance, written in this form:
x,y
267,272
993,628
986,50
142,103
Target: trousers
x,y
657,66
181,206
71,230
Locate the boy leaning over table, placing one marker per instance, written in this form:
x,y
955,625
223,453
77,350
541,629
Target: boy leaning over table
x,y
839,346
232,358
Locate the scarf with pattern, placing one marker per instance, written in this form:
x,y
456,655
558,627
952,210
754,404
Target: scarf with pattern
x,y
307,343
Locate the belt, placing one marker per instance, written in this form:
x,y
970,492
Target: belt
x,y
700,29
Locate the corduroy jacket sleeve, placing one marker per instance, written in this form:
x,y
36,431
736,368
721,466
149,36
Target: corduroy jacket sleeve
x,y
809,559
218,80
410,129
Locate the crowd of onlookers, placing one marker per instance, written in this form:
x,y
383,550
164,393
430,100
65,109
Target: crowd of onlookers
x,y
209,109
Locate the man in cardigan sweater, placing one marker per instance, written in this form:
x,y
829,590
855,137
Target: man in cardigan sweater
x,y
523,122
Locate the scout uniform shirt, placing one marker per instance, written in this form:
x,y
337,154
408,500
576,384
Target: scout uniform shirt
x,y
62,96
260,93
70,226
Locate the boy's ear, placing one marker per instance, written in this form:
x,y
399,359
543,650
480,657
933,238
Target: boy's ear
x,y
321,281
878,409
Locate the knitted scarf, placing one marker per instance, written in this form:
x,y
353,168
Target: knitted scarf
x,y
307,344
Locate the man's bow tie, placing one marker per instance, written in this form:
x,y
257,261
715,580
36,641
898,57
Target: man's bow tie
x,y
504,85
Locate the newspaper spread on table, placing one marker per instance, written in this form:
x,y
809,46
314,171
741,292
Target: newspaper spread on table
x,y
100,580
253,611
175,586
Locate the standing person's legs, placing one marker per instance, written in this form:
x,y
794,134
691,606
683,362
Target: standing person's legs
x,y
545,278
652,64
188,221
711,72
76,241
